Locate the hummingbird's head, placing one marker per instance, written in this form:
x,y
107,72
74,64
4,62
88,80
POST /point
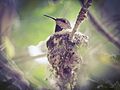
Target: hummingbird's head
x,y
61,23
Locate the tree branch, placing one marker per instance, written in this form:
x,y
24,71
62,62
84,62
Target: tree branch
x,y
104,32
82,15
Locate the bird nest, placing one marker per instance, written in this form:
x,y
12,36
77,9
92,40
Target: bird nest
x,y
63,56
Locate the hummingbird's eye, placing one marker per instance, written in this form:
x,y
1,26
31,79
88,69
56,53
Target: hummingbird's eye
x,y
64,21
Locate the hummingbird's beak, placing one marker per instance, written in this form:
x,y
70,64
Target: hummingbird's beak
x,y
50,17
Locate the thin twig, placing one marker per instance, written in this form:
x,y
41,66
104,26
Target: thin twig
x,y
81,16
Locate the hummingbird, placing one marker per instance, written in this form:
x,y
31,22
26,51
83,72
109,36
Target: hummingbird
x,y
61,23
